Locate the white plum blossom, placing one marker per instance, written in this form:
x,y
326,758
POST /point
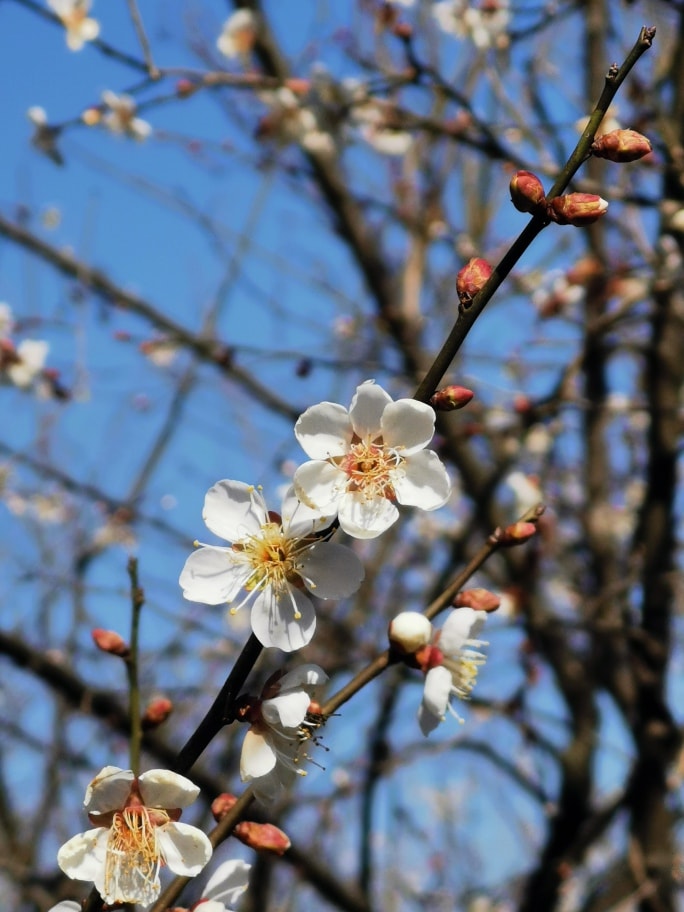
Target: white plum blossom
x,y
377,122
120,117
290,121
79,26
136,831
68,905
280,726
28,362
484,23
452,662
238,34
366,459
274,561
225,886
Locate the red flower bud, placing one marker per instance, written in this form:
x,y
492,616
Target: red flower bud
x,y
265,837
577,209
451,397
110,641
527,193
621,146
158,711
472,278
222,804
479,599
185,88
516,534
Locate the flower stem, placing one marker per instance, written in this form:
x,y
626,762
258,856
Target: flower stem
x,y
132,665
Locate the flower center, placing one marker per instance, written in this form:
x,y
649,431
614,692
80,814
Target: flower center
x,y
369,468
133,857
273,557
464,671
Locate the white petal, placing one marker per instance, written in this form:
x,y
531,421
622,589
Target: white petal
x,y
324,430
422,481
461,625
228,882
257,757
367,407
287,709
161,788
274,622
213,575
108,790
410,630
185,849
437,690
82,857
268,788
363,518
408,425
319,485
300,520
67,906
428,721
331,570
233,510
307,675
89,29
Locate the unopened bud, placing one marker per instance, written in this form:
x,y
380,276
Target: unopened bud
x,y
516,534
91,116
450,398
222,804
527,192
479,599
472,278
264,837
621,146
185,88
157,711
409,631
110,641
577,209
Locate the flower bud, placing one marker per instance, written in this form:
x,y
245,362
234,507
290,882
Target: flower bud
x,y
471,278
222,804
91,117
110,641
264,837
157,711
450,398
516,534
479,599
527,193
185,88
409,631
621,146
577,209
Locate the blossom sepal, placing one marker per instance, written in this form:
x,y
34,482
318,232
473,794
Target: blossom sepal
x,y
478,599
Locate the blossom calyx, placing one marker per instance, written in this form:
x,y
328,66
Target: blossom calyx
x,y
577,209
471,278
527,193
621,146
478,599
408,632
110,641
264,837
450,398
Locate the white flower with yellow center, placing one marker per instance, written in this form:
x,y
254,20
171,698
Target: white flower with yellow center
x,y
274,561
367,459
136,831
79,26
452,662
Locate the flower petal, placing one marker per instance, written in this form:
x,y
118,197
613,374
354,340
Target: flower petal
x,y
82,857
324,430
286,709
274,622
428,721
298,519
233,510
408,425
67,905
437,690
461,625
213,575
422,482
319,485
331,570
161,788
307,675
367,407
185,848
362,518
257,757
108,791
228,882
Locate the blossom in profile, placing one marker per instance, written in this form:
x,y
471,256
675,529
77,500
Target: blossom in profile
x,y
79,26
367,459
484,23
280,726
24,364
120,116
273,562
238,34
451,663
290,121
225,886
136,832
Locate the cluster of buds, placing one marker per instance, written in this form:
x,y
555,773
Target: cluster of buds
x,y
263,837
